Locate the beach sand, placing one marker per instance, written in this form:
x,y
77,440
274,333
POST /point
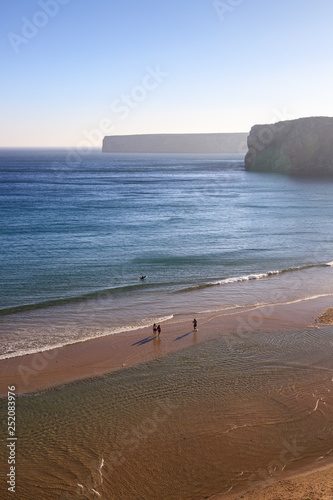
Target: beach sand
x,y
326,318
308,484
203,437
92,358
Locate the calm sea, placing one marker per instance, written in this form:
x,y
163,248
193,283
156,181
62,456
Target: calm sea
x,y
76,237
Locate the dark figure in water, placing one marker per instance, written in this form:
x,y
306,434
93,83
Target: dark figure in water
x,y
154,328
195,324
159,329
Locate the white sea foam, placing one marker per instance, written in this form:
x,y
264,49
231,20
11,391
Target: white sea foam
x,y
100,470
69,341
258,305
249,277
222,309
295,301
312,297
330,264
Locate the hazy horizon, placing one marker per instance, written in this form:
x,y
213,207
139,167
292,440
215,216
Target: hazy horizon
x,y
73,73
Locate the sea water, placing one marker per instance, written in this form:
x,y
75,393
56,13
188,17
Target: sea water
x,y
76,235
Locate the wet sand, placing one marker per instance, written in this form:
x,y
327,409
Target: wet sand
x,y
35,372
308,484
215,417
242,410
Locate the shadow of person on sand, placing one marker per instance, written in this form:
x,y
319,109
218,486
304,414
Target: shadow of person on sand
x,y
182,336
144,341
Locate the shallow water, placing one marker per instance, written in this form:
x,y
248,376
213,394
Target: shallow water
x,y
218,415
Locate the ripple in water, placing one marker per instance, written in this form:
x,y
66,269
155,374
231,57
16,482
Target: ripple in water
x,y
215,416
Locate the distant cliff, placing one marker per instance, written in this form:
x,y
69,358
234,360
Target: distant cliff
x,y
302,147
176,143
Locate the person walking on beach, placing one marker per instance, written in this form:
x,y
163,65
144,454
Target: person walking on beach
x,y
159,329
154,328
195,324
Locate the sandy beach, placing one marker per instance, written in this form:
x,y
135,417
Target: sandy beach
x,y
309,484
190,418
326,318
103,355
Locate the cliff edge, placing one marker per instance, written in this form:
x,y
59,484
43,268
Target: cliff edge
x,y
302,147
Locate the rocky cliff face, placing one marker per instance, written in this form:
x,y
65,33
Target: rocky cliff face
x,y
302,147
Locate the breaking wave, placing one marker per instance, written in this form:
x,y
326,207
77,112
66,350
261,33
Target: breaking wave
x,y
248,277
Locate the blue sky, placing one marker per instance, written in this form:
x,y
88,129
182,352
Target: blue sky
x,y
75,70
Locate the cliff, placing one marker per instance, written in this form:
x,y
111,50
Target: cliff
x,y
176,143
301,147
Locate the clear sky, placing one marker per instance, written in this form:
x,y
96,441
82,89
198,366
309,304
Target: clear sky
x,y
75,70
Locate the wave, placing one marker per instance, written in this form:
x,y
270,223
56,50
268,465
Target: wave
x,y
107,292
145,323
97,294
248,277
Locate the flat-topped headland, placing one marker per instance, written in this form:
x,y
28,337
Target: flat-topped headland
x,y
301,147
223,143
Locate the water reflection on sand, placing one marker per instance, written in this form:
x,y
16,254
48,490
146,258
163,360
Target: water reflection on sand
x,y
217,416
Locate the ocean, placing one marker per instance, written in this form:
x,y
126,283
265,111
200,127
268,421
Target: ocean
x,y
77,235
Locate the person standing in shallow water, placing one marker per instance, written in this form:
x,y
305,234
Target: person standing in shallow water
x,y
195,325
154,328
159,329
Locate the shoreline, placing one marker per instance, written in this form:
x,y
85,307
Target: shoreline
x,y
98,358
101,356
308,482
